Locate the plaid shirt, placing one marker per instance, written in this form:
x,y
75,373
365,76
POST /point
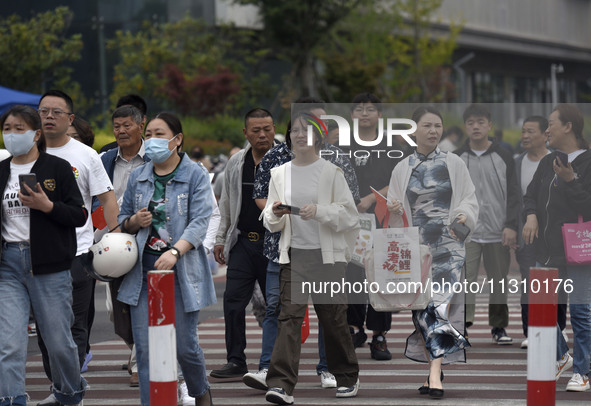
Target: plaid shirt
x,y
281,154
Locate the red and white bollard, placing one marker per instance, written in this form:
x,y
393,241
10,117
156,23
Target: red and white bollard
x,y
162,339
541,337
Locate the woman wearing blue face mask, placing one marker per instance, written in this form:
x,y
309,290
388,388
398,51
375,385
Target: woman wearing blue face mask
x,y
38,245
168,203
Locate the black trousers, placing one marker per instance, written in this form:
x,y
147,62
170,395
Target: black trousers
x,y
247,264
82,297
359,312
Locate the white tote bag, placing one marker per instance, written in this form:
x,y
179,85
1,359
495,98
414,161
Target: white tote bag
x,y
398,270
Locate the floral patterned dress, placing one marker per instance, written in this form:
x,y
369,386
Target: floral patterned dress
x,y
437,328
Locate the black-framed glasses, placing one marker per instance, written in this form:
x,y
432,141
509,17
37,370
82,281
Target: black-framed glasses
x,y
57,113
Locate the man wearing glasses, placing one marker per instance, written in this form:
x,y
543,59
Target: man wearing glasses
x,y
56,112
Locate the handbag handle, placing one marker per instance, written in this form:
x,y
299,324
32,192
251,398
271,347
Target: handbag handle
x,y
404,218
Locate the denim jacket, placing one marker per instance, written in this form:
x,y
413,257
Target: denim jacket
x,y
188,208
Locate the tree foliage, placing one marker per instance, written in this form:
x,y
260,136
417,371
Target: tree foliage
x,y
178,64
390,49
35,53
296,31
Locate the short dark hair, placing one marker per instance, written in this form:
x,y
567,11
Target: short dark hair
x,y
128,110
134,100
84,130
197,152
61,95
257,112
476,110
421,111
454,129
173,122
30,116
310,103
542,122
366,97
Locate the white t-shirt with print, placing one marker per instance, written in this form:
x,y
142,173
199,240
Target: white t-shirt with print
x,y
15,215
92,181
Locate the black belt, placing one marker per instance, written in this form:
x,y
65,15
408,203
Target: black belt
x,y
252,236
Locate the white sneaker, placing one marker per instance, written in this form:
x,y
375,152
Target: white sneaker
x,y
327,380
256,380
524,344
578,383
49,401
566,362
348,391
183,395
279,397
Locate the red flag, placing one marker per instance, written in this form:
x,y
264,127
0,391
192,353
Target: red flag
x,y
98,218
381,209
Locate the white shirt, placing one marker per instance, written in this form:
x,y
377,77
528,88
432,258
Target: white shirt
x,y
15,216
304,190
528,168
92,181
123,169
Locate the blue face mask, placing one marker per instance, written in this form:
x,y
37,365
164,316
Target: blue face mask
x,y
19,144
157,149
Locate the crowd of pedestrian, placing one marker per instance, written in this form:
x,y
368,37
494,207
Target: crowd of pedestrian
x,y
289,214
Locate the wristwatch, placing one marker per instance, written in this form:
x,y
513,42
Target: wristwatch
x,y
175,252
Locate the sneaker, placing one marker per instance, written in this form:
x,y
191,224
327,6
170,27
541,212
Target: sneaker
x,y
256,380
86,361
32,329
50,401
183,395
500,337
578,383
379,348
359,338
327,380
230,370
348,391
524,344
566,362
279,397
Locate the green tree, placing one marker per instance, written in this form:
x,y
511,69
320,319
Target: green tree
x,y
390,49
35,53
176,64
296,31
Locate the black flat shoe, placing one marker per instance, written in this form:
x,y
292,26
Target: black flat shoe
x,y
436,393
424,390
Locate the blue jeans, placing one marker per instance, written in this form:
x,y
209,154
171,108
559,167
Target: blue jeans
x,y
50,296
270,323
189,354
580,317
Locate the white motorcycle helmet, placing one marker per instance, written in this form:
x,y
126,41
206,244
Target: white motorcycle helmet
x,y
113,256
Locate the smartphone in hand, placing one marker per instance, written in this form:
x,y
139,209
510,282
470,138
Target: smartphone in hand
x,y
292,209
29,179
460,230
563,157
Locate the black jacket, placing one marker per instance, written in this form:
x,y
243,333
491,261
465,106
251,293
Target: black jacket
x,y
52,235
556,202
